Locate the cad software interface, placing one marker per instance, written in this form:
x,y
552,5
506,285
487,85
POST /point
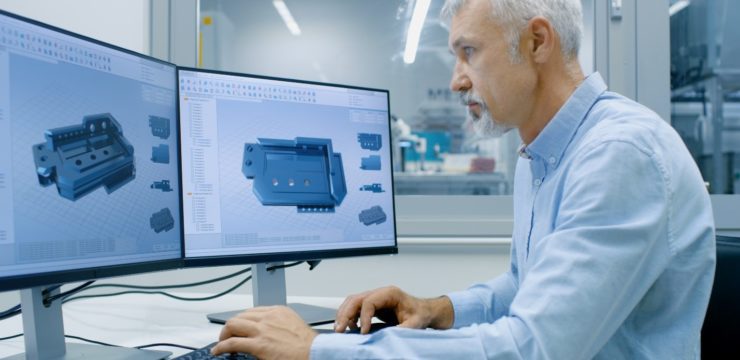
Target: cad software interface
x,y
88,146
274,166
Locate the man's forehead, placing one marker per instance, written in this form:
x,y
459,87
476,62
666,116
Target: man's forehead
x,y
473,17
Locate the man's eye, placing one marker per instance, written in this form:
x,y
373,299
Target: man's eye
x,y
468,51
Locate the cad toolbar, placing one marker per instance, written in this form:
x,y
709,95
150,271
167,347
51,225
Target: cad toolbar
x,y
36,41
246,90
37,44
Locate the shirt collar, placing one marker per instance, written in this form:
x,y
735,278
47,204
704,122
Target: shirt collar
x,y
551,143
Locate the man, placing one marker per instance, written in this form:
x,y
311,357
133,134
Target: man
x,y
613,245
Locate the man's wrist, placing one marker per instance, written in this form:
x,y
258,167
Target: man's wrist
x,y
442,312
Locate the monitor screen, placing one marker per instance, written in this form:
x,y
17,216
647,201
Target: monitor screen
x,y
89,177
277,169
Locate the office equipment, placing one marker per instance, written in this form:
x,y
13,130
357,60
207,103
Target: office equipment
x,y
79,109
204,353
137,319
272,173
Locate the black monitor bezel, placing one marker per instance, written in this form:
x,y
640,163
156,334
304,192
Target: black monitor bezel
x,y
24,281
241,259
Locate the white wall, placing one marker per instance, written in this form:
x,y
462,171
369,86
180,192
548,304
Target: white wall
x,y
120,22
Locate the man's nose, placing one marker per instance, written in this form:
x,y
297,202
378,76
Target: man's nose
x,y
460,81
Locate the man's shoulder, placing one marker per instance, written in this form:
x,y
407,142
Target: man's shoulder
x,y
618,118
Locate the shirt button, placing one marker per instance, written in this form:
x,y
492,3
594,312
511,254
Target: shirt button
x,y
551,160
537,182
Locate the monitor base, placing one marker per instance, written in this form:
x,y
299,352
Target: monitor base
x,y
312,315
85,351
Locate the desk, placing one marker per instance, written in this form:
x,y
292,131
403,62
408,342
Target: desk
x,y
133,320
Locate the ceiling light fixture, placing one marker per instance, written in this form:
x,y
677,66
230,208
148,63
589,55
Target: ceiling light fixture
x,y
678,6
417,22
282,9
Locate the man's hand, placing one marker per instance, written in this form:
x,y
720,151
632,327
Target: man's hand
x,y
393,306
273,332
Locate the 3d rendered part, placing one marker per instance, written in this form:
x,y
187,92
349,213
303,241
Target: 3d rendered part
x,y
162,220
161,154
160,127
371,162
304,172
163,185
370,141
373,215
81,158
376,188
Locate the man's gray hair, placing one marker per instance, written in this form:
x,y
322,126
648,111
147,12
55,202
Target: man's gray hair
x,y
564,15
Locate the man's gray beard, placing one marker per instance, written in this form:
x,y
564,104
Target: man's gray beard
x,y
484,125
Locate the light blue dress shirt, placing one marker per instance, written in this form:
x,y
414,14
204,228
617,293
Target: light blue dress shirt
x,y
612,254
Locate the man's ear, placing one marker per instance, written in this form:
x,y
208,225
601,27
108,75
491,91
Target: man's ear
x,y
542,39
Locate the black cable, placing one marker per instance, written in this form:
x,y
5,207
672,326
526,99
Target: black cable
x,y
178,286
284,266
49,300
15,310
80,297
312,264
90,341
168,345
46,291
11,337
87,286
176,297
113,345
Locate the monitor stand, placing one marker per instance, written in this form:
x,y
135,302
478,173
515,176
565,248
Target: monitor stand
x,y
268,288
44,335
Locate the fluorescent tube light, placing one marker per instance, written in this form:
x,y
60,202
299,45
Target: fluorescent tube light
x,y
417,22
282,9
678,6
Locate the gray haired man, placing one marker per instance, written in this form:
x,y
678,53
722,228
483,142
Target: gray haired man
x,y
613,245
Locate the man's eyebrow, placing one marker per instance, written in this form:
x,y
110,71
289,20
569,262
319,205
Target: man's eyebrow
x,y
457,43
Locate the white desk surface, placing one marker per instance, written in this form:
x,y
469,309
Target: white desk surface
x,y
133,320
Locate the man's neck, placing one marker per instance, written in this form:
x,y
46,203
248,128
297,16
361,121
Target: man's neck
x,y
553,90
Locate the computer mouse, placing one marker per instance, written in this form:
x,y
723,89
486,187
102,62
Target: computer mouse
x,y
373,328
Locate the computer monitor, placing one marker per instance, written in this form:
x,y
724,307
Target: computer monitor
x,y
279,170
89,177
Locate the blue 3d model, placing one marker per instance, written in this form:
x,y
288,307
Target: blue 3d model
x,y
376,188
160,127
370,141
162,220
163,185
304,172
81,158
371,162
373,215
